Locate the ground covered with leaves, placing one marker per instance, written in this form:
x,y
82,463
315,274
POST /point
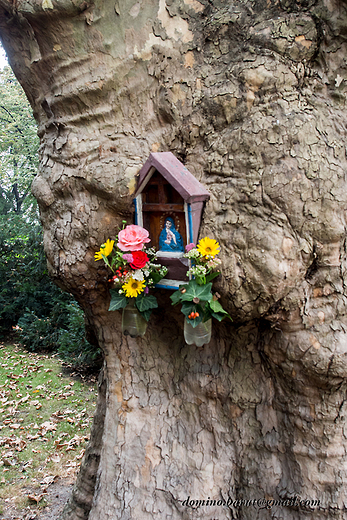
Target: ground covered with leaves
x,y
45,419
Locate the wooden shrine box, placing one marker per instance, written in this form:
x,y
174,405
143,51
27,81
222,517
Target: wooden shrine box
x,y
168,203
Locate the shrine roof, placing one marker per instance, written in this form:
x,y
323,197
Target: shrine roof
x,y
175,173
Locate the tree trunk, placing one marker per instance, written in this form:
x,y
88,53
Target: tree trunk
x,y
251,97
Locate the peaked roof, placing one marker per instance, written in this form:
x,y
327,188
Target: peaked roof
x,y
175,173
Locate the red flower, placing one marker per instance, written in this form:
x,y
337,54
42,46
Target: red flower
x,y
140,259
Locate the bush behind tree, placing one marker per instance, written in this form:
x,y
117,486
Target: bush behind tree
x,y
45,317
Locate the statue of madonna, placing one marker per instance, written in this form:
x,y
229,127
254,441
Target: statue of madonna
x,y
169,238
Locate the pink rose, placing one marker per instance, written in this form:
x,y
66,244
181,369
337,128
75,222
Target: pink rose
x,y
132,238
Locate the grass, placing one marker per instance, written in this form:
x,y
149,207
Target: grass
x,y
45,420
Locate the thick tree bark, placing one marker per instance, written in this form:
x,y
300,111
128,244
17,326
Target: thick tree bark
x,y
251,97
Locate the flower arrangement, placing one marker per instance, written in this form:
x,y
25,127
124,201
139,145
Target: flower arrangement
x,y
134,269
199,304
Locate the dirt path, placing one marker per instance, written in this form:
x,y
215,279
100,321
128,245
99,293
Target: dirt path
x,y
48,508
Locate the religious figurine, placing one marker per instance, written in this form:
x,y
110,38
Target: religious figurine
x,y
169,238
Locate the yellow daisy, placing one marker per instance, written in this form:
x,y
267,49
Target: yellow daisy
x,y
133,287
105,249
208,247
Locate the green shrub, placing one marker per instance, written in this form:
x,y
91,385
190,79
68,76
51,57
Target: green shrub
x,y
67,337
37,334
45,317
73,345
25,283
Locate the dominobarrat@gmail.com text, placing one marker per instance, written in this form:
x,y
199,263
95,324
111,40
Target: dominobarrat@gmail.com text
x,y
258,503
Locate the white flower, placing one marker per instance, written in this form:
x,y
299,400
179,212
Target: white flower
x,y
138,275
146,272
197,270
151,252
193,253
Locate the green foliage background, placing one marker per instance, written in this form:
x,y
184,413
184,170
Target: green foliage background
x,y
44,316
19,145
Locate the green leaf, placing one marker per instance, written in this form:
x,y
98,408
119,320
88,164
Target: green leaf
x,y
105,259
203,292
211,276
146,302
216,306
217,311
188,307
218,316
176,297
118,301
156,277
207,313
146,314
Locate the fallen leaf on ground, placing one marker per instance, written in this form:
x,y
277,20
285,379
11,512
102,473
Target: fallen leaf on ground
x,y
48,480
47,426
36,498
14,426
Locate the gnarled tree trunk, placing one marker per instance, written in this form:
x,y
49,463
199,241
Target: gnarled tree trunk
x,y
251,97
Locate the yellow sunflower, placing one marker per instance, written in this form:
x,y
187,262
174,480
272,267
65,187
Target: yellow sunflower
x,y
105,249
208,247
133,287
